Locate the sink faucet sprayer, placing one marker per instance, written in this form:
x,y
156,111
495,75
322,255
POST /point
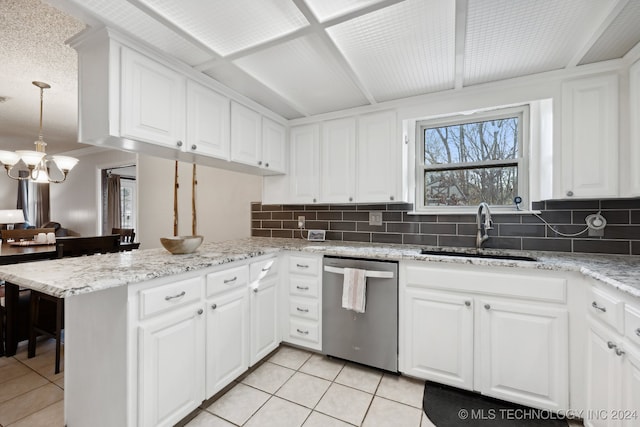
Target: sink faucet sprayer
x,y
482,235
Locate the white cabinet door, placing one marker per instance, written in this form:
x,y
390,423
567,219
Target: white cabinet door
x,y
264,319
153,101
246,135
439,337
590,137
304,164
603,376
524,353
338,161
170,366
207,122
634,113
378,160
274,146
631,388
227,338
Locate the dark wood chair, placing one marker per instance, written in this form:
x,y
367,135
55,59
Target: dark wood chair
x,y
22,304
127,235
40,303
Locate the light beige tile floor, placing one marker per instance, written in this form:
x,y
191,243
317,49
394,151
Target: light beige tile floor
x,y
31,394
293,388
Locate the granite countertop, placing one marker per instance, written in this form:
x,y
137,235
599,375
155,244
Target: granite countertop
x,y
71,276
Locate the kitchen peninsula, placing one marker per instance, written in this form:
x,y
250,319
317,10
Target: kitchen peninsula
x,y
115,303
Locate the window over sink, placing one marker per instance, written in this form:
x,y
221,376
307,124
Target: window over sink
x,y
465,159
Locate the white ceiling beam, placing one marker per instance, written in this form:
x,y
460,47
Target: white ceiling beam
x,y
360,12
605,20
339,57
462,8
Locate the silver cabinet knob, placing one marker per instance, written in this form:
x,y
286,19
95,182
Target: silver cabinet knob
x,y
200,311
611,344
314,200
194,146
391,198
351,199
255,290
259,162
467,303
597,307
638,332
487,306
266,165
214,306
620,352
179,143
569,193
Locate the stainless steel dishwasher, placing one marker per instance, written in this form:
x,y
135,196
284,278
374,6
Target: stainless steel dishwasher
x,y
370,338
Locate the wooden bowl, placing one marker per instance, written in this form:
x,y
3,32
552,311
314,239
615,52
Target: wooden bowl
x,y
181,244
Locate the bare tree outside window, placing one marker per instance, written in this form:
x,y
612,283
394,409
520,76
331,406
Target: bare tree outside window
x,y
471,162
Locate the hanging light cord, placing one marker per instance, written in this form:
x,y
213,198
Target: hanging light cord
x,y
557,232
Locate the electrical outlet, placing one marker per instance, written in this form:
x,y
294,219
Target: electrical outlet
x,y
301,221
375,218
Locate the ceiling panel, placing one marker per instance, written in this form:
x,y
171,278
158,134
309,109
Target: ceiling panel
x,y
507,38
619,37
304,71
120,14
328,9
403,50
230,26
229,75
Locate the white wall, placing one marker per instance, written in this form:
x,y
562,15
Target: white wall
x,y
75,204
222,201
8,191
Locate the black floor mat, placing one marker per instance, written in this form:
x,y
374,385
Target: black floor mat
x,y
450,407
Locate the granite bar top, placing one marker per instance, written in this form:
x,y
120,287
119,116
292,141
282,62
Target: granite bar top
x,y
72,276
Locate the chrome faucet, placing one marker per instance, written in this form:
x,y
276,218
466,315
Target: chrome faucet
x,y
482,235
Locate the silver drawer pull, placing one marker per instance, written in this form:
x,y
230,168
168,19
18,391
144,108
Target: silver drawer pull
x,y
302,332
231,280
638,332
619,352
266,269
302,266
169,298
302,310
597,307
610,344
302,288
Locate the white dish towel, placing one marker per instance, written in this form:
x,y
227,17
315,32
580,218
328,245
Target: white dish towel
x,y
354,289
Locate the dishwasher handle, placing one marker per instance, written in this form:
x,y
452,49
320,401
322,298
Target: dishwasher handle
x,y
368,273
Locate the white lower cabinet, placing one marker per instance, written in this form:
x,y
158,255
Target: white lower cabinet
x,y
171,363
523,353
456,330
264,309
227,338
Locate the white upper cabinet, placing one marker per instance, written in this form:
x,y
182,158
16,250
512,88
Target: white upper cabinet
x,y
378,169
634,114
153,101
590,137
207,122
338,161
274,146
304,175
246,135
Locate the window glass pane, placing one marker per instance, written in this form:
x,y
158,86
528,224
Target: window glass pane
x,y
472,142
127,199
468,187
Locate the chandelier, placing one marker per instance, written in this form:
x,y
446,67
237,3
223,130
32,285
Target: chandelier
x,y
37,162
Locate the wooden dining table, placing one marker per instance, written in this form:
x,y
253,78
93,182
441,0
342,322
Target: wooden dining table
x,y
10,254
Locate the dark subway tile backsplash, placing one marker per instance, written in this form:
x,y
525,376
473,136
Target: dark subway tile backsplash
x,y
511,231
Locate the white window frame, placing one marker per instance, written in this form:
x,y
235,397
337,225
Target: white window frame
x,y
522,161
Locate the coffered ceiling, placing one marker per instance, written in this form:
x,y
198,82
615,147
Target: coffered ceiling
x,y
306,57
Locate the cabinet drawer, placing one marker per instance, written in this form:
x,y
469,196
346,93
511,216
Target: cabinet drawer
x,y
304,265
305,308
606,308
172,295
632,324
303,330
262,269
228,279
303,286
